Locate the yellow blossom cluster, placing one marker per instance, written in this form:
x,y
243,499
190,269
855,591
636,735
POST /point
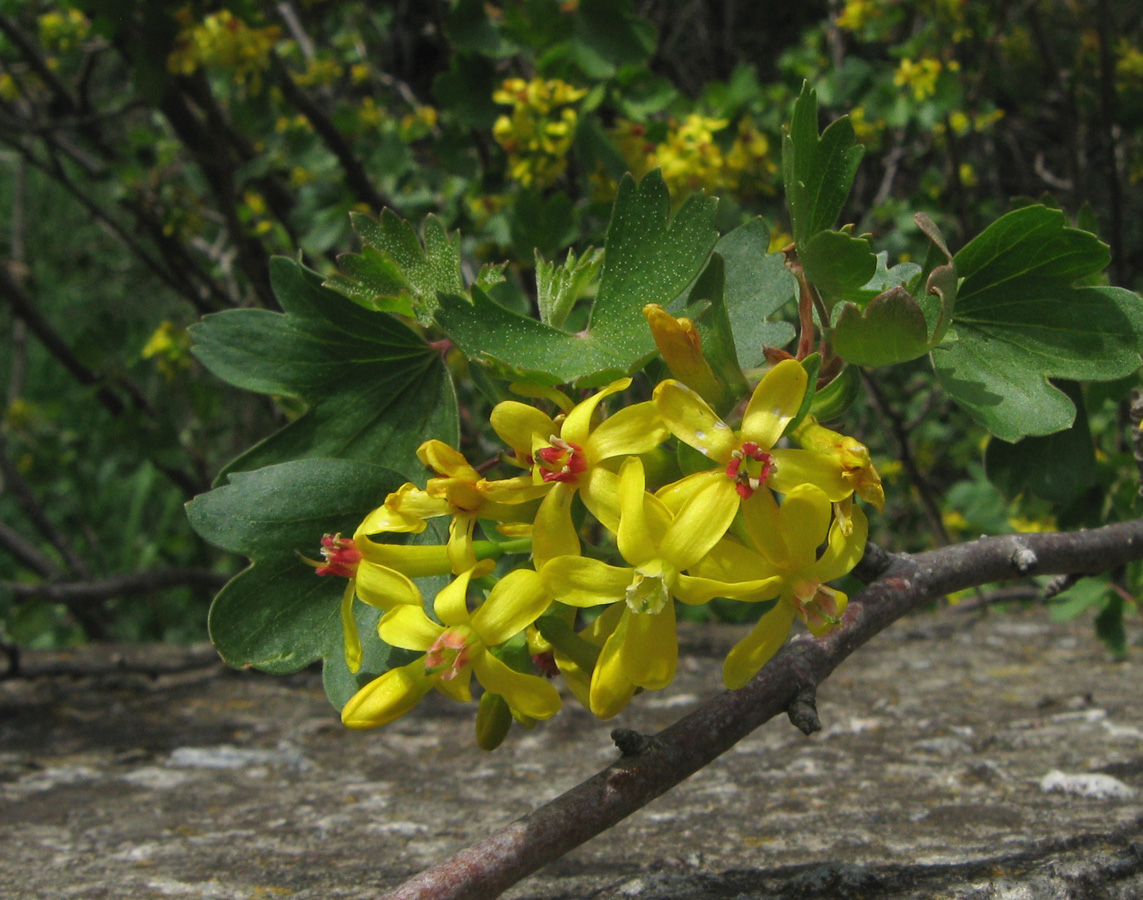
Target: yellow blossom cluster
x,y
691,159
223,40
169,347
538,133
756,520
920,76
63,30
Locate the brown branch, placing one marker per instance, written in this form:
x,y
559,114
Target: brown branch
x,y
96,590
491,866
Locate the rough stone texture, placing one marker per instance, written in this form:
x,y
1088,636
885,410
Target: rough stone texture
x,y
930,779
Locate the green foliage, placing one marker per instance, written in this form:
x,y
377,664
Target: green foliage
x,y
374,388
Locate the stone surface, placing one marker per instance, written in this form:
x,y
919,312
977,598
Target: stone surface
x,y
978,759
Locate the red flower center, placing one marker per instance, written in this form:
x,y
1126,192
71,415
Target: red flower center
x,y
748,468
563,461
341,556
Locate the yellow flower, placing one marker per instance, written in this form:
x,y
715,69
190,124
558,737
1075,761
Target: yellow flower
x,y
747,459
455,650
855,470
568,455
460,492
782,543
681,348
642,651
921,76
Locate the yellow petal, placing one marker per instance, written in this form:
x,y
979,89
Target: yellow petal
x,y
349,629
651,649
553,533
451,602
577,426
461,555
580,581
631,430
774,403
638,543
387,698
445,460
754,651
527,694
695,590
599,490
763,523
805,513
414,560
845,550
516,423
611,689
793,467
385,588
700,524
692,421
517,600
408,627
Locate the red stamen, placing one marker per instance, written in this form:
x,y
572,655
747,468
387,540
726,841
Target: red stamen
x,y
341,556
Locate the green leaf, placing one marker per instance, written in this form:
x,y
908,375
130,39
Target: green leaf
x,y
1109,625
648,259
278,615
706,308
758,284
891,329
817,172
375,389
839,265
559,287
608,35
1058,467
394,271
469,30
1018,322
542,224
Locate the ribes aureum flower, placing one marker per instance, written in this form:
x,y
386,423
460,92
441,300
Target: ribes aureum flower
x,y
568,455
854,471
745,459
783,541
658,546
457,648
458,491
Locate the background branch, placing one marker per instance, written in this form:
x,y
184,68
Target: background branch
x,y
489,867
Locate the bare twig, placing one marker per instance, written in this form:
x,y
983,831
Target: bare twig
x,y
924,491
95,590
489,867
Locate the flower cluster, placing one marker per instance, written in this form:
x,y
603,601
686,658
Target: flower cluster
x,y
539,132
225,41
747,517
692,158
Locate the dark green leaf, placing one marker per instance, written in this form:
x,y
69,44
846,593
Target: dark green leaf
x,y
648,259
1018,322
608,36
758,285
839,265
891,329
375,390
817,172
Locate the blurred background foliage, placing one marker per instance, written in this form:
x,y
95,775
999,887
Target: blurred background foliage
x,y
155,154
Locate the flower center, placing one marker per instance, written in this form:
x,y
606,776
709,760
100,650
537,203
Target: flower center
x,y
817,605
647,593
748,468
449,654
562,461
341,556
